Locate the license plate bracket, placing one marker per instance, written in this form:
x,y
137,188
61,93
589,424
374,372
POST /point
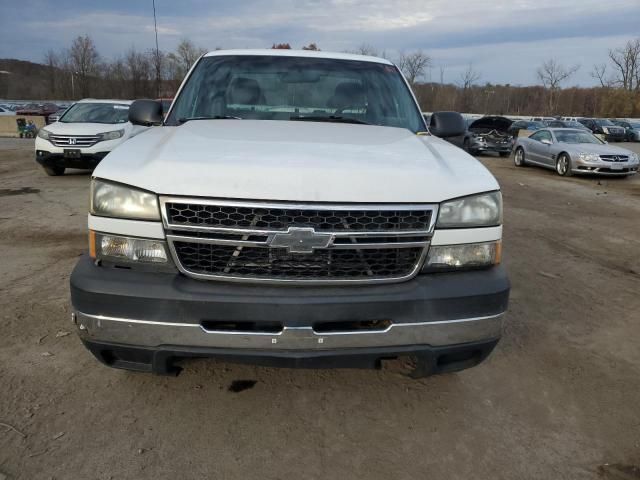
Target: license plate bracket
x,y
71,153
616,166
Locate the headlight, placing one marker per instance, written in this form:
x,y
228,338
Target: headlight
x,y
113,135
633,157
484,210
114,200
44,134
464,256
127,249
589,157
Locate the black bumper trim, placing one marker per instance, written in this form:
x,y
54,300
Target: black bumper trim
x,y
428,360
169,297
86,161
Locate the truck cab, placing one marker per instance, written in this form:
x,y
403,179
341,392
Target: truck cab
x,y
293,208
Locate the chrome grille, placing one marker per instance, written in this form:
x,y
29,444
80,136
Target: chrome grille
x,y
305,243
74,141
614,158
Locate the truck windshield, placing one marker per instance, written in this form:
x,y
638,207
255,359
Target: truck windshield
x,y
96,113
297,88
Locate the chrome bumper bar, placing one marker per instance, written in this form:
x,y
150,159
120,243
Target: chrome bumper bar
x,y
145,333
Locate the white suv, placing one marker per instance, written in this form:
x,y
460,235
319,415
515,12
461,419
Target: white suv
x,y
84,135
292,209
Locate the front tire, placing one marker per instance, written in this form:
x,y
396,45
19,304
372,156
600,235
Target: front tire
x,y
563,165
519,158
54,171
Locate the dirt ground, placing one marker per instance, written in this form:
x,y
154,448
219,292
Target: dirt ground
x,y
558,399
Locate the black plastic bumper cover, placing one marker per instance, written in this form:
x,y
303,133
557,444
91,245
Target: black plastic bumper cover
x,y
85,161
428,360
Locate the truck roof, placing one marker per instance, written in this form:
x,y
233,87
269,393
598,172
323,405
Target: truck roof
x,y
276,52
104,100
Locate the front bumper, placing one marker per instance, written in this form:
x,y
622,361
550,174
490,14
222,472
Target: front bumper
x,y
138,320
85,161
492,148
605,168
615,137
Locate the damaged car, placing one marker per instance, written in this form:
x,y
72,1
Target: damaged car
x,y
486,135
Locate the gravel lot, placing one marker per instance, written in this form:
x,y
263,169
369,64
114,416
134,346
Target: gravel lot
x,y
559,398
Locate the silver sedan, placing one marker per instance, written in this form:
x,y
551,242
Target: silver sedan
x,y
570,151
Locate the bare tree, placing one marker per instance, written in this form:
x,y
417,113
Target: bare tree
x,y
52,62
139,72
281,46
599,72
626,63
84,61
158,61
552,73
469,77
414,65
366,49
184,57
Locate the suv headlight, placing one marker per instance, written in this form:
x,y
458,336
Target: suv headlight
x,y
113,135
44,134
121,201
484,210
589,157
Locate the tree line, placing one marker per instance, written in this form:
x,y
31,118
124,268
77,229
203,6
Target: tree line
x,y
80,71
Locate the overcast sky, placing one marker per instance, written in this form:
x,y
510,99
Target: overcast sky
x,y
504,40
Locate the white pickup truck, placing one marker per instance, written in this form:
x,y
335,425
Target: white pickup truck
x,y
292,209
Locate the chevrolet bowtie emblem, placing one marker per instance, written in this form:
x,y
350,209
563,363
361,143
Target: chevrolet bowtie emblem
x,y
301,240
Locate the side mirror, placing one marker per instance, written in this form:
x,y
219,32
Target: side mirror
x,y
447,124
146,113
546,141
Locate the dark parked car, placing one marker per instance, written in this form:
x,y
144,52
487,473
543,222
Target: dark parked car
x,y
486,135
606,128
54,117
42,110
518,125
566,124
632,129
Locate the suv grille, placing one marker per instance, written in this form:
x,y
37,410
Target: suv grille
x,y
256,242
74,141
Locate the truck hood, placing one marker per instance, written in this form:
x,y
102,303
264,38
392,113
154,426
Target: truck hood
x,y
295,161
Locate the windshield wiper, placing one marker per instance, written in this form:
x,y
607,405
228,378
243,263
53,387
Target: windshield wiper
x,y
329,118
213,117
